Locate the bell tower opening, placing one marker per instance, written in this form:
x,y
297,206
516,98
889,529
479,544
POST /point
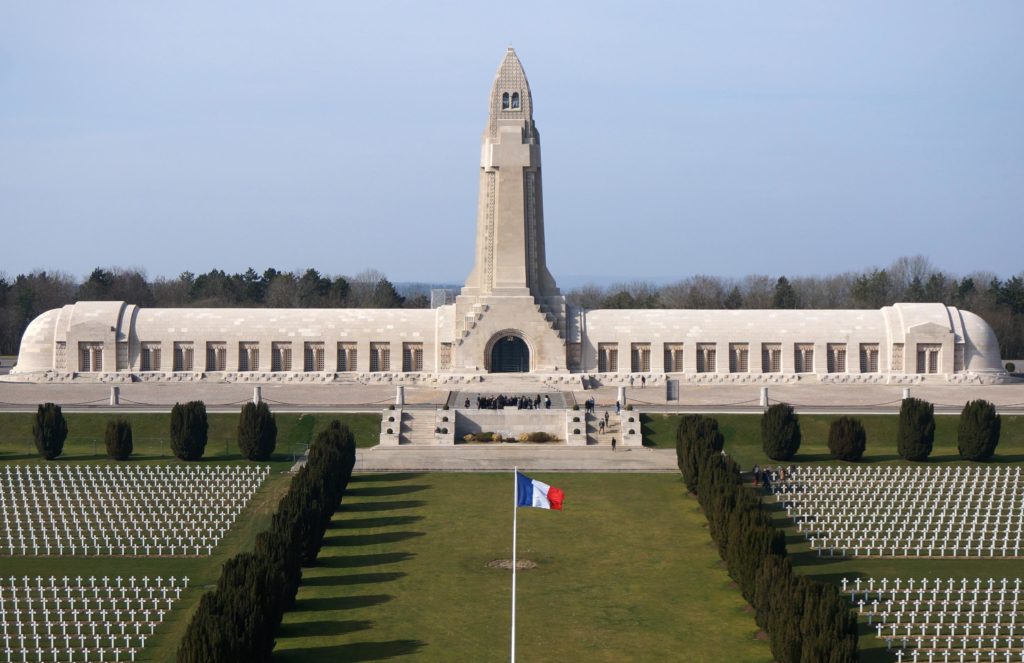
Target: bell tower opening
x,y
510,354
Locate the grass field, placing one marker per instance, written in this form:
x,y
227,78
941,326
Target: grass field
x,y
625,573
743,438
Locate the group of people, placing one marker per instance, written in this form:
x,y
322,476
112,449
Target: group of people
x,y
519,402
763,476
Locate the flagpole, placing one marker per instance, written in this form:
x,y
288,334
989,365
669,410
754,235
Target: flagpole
x,y
515,514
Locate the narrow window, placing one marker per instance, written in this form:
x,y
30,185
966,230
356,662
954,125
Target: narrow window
x,y
706,358
640,357
673,357
504,101
346,357
803,358
771,357
836,357
313,357
380,357
412,357
607,357
869,357
216,356
515,100
183,357
739,355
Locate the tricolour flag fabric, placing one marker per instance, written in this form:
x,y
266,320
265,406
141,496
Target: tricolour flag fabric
x,y
530,492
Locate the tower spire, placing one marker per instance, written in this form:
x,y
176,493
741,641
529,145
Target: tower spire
x,y
510,256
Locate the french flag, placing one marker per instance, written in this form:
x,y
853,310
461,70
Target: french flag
x,y
530,492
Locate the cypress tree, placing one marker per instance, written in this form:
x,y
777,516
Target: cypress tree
x,y
118,438
780,432
49,429
916,429
847,438
978,433
257,431
189,429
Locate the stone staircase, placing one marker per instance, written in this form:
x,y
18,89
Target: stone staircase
x,y
417,427
469,323
614,429
556,323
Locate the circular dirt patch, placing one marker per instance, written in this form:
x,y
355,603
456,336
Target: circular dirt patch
x,y
507,564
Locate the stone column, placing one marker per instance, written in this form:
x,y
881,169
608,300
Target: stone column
x,y
399,396
257,394
622,396
764,397
115,395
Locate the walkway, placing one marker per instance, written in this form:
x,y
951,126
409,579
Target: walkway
x,y
503,457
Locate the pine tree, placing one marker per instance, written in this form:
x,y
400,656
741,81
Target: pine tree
x,y
847,439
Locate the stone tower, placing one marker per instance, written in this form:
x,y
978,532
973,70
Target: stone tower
x,y
510,290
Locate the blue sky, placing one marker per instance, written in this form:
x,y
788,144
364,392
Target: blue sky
x,y
722,138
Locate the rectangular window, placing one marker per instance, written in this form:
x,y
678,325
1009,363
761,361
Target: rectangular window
x,y
248,356
706,358
216,356
739,354
150,357
869,357
182,357
958,357
640,357
380,357
771,357
412,357
313,357
90,357
673,357
928,357
836,357
803,358
280,357
346,357
607,357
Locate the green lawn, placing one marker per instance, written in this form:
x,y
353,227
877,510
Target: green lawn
x,y
743,437
626,572
150,435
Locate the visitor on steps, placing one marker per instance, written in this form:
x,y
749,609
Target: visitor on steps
x,y
613,444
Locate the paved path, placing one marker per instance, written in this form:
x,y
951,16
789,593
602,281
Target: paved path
x,y
501,457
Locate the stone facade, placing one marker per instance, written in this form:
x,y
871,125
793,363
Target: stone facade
x,y
509,315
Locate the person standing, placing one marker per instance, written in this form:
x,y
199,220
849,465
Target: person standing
x,y
618,407
606,416
613,444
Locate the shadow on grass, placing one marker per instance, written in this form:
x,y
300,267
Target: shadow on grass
x,y
381,491
368,523
370,539
341,602
368,507
353,579
387,476
356,561
314,629
355,652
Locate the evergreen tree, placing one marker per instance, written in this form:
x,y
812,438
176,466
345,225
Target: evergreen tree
x,y
784,296
847,439
49,429
916,429
257,431
780,432
189,429
118,438
978,433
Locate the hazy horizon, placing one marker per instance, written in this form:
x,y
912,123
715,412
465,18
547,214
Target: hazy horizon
x,y
727,140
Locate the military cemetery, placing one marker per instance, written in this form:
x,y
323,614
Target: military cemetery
x,y
510,469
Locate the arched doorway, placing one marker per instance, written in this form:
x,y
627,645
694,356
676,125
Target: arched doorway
x,y
510,354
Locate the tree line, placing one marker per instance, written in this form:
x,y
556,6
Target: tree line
x,y
999,301
25,296
806,620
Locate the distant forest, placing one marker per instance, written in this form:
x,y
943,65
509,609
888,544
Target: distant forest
x,y
914,279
